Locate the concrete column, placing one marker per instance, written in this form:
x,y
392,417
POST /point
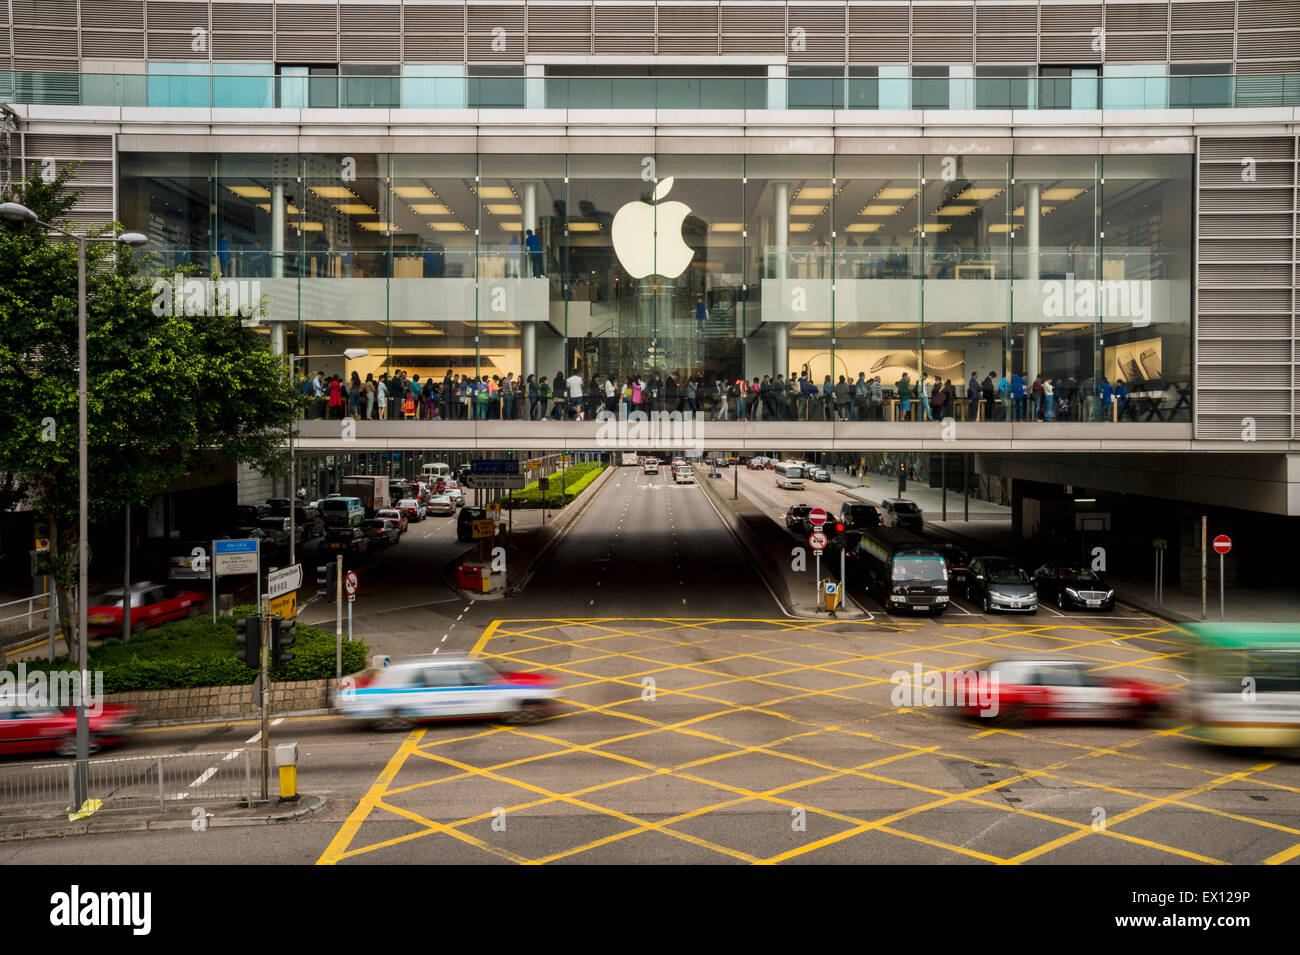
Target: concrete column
x,y
279,338
780,349
528,357
1033,217
278,227
530,206
1032,350
781,219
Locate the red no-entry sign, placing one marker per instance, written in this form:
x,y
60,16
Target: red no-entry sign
x,y
817,517
1222,544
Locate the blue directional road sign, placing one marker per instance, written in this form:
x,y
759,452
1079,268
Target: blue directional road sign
x,y
494,466
234,557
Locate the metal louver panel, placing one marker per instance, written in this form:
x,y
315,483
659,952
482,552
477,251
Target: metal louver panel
x,y
1203,16
46,13
94,175
1004,48
481,48
559,44
1068,49
430,49
874,20
559,19
818,48
753,44
1274,43
1266,14
879,49
113,14
1136,47
674,19
814,19
1201,46
627,44
629,19
306,46
486,17
241,46
370,17
173,46
48,65
1246,330
241,17
303,18
177,16
437,18
46,42
1136,17
1003,18
681,43
371,47
1270,86
1070,17
944,19
751,18
942,49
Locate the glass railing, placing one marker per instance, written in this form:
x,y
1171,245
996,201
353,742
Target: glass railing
x,y
412,91
938,261
322,260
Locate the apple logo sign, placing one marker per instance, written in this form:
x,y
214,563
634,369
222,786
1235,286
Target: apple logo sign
x,y
648,238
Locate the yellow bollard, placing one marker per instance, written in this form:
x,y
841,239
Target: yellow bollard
x,y
286,758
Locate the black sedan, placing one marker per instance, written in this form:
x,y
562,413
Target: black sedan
x,y
1073,587
796,518
380,532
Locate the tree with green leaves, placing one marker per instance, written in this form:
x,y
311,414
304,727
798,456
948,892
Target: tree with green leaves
x,y
166,392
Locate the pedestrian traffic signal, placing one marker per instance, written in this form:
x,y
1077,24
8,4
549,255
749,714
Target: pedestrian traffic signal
x,y
327,579
283,634
250,638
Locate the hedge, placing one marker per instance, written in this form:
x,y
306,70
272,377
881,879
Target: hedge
x,y
576,479
197,652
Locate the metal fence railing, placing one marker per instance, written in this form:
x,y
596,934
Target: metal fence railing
x,y
134,782
26,613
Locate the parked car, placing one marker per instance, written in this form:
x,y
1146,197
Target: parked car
x,y
274,504
277,530
412,508
380,532
394,515
257,533
247,515
1073,587
465,522
151,604
819,474
1027,690
995,583
796,518
44,729
442,504
446,687
896,512
345,541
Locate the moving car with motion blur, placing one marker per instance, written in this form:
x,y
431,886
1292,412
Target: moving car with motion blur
x,y
1233,657
1071,587
27,726
450,686
995,583
1039,690
151,604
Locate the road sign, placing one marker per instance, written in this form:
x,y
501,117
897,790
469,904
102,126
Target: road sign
x,y
494,466
1222,544
286,606
234,557
543,483
832,587
350,583
817,540
817,517
532,465
483,528
494,507
284,581
42,544
495,482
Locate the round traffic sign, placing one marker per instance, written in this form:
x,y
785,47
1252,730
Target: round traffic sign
x,y
817,517
1222,544
817,540
350,583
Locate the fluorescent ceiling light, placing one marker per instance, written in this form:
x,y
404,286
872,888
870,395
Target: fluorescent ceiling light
x,y
495,192
897,192
958,334
863,226
251,192
933,227
308,226
979,193
430,209
806,209
378,226
415,192
504,209
801,226
447,227
956,210
815,192
511,226
1061,193
727,227
333,192
879,209
354,208
584,226
1000,227
1043,210
289,208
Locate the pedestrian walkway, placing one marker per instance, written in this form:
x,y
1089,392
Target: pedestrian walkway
x,y
928,499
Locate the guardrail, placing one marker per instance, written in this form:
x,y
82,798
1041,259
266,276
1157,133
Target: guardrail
x,y
31,616
133,782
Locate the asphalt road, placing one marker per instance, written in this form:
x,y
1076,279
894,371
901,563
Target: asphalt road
x,y
702,725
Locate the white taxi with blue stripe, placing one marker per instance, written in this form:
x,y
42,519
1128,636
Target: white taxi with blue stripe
x,y
449,686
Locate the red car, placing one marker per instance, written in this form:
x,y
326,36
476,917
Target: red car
x,y
44,729
151,604
1032,690
395,515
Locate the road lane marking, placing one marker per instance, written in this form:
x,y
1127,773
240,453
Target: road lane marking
x,y
343,838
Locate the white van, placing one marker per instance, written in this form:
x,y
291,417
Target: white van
x,y
431,472
789,475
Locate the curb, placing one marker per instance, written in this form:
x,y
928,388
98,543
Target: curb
x,y
228,718
96,827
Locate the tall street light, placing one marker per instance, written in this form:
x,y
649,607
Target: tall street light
x,y
17,212
350,354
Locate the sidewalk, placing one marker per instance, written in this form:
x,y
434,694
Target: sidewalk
x,y
928,499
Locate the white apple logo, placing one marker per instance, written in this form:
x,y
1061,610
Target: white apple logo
x,y
648,238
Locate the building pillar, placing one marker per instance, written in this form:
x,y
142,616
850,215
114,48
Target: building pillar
x,y
277,230
781,220
279,338
528,357
530,206
780,348
1033,217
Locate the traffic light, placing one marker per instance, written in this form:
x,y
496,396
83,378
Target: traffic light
x,y
327,579
251,641
283,633
839,528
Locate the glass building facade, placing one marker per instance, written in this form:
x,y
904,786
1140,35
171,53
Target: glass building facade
x,y
715,267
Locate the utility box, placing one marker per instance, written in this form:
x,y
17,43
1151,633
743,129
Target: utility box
x,y
474,576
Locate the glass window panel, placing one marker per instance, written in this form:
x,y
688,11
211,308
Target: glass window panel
x,y
243,85
1135,86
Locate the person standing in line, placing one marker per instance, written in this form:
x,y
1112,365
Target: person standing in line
x,y
1049,400
1105,392
575,395
381,396
1017,397
534,397
336,398
1004,396
861,397
938,400
1121,399
877,391
692,393
989,391
354,395
973,393
318,393
1088,392
720,413
368,391
543,395
512,256
611,395
508,397
1036,399
534,247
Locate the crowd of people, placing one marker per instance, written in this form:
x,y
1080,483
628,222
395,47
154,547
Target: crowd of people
x,y
997,397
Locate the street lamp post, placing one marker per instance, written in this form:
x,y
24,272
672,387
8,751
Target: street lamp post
x,y
350,354
17,212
